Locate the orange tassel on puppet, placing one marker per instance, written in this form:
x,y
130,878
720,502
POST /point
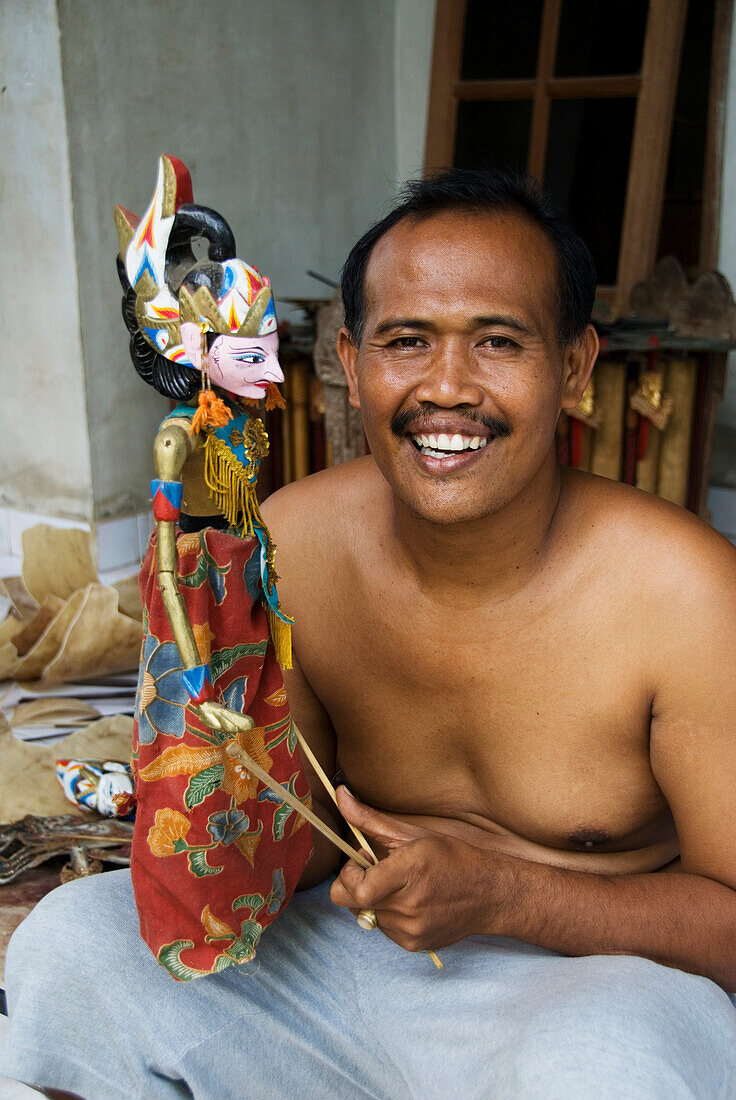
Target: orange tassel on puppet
x,y
212,412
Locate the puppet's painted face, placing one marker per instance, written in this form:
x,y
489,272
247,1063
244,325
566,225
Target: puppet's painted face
x,y
243,365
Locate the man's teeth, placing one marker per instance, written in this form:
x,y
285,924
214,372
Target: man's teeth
x,y
439,446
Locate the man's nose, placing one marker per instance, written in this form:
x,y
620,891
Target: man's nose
x,y
449,379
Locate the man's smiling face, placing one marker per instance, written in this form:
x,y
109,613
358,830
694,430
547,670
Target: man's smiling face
x,y
459,374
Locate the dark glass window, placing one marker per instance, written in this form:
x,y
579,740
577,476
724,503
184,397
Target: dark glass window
x,y
598,38
587,170
501,40
683,199
493,134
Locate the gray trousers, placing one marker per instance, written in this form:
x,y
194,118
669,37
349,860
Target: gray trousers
x,y
329,1011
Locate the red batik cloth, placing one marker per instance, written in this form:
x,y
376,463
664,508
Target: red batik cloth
x,y
216,855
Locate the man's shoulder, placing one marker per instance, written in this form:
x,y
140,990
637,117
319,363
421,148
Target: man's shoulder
x,y
660,547
327,506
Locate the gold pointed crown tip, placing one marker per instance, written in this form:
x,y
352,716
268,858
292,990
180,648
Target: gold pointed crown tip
x,y
255,315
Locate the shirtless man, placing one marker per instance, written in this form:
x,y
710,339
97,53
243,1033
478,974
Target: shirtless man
x,y
525,675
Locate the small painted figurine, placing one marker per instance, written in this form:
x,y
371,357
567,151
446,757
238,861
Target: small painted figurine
x,y
216,855
95,784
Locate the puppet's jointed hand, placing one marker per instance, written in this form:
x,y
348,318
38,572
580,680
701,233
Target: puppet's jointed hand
x,y
218,717
431,889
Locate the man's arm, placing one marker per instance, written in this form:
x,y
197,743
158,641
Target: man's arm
x,y
292,527
433,890
312,720
686,920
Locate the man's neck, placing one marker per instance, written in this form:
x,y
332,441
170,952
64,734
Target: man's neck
x,y
494,555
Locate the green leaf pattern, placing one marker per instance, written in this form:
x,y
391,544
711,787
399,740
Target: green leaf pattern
x,y
169,957
251,901
222,659
203,784
193,580
199,866
244,947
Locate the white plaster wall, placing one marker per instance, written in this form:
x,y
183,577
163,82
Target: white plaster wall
x,y
298,120
724,456
413,41
44,457
284,112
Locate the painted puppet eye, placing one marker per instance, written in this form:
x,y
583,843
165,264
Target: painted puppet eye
x,y
250,357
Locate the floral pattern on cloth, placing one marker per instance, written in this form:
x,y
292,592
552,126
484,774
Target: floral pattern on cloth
x,y
216,855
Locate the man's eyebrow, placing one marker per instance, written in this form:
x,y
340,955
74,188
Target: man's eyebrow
x,y
403,322
506,320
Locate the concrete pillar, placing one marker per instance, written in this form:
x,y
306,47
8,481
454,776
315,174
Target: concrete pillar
x,y
284,113
43,414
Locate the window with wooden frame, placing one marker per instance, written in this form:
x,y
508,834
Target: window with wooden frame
x,y
582,93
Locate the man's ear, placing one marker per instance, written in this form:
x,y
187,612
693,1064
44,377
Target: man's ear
x,y
579,360
347,349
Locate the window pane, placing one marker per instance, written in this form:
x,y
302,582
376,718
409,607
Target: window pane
x,y
598,38
587,169
501,40
493,134
683,198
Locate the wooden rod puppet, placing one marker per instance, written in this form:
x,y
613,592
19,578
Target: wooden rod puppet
x,y
221,793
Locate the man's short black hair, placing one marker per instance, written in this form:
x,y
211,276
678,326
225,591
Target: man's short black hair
x,y
482,192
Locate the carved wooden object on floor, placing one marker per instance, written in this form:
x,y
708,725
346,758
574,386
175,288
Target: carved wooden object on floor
x,y
34,840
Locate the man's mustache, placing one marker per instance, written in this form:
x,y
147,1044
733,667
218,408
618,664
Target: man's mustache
x,y
425,413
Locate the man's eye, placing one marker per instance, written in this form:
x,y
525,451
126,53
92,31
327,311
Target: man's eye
x,y
500,343
250,357
406,342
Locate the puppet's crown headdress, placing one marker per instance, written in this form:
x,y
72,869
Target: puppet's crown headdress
x,y
222,294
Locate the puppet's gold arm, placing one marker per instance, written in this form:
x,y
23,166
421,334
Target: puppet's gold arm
x,y
172,448
170,451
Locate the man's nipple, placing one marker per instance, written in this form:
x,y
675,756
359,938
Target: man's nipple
x,y
587,840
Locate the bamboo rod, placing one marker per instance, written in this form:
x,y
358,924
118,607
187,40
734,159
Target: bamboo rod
x,y
333,795
330,789
238,753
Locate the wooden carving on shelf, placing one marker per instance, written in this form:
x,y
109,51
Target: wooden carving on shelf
x,y
343,424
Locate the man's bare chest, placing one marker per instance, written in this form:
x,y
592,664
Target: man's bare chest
x,y
532,721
